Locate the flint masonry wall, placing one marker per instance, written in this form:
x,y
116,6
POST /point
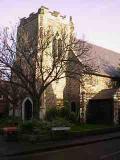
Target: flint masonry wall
x,y
92,86
33,25
55,22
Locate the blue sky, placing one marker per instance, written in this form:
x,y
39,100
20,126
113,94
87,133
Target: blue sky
x,y
97,20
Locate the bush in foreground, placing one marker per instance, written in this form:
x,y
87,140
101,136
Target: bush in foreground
x,y
61,113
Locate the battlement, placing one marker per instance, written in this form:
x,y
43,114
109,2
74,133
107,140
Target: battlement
x,y
43,10
25,20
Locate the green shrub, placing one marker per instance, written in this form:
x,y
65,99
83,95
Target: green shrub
x,y
42,126
27,126
36,127
10,121
60,122
14,120
52,113
73,117
64,112
68,115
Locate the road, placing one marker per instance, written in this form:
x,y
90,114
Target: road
x,y
107,150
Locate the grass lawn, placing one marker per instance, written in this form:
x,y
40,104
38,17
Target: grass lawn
x,y
88,127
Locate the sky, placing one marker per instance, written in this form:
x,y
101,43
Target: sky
x,y
98,21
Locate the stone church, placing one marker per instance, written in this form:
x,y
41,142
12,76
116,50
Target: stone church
x,y
98,100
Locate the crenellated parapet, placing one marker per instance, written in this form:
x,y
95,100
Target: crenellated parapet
x,y
45,11
25,20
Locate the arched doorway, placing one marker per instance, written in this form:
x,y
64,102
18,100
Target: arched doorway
x,y
73,107
27,109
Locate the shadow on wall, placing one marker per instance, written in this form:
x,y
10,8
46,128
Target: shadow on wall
x,y
71,91
50,97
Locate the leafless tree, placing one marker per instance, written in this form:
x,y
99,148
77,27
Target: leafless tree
x,y
34,62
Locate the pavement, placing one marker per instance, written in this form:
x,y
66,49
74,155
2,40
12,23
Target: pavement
x,y
13,148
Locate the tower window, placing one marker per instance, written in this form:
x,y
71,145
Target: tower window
x,y
54,48
59,48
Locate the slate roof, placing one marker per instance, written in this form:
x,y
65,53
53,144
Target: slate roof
x,y
105,94
105,60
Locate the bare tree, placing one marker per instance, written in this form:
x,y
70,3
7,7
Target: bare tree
x,y
34,62
11,94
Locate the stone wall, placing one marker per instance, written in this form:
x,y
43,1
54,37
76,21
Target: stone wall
x,y
94,84
54,22
33,27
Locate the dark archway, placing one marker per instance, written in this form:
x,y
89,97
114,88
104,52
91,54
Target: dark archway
x,y
100,111
73,107
28,110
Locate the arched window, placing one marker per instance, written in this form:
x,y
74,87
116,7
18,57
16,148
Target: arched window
x,y
59,48
54,47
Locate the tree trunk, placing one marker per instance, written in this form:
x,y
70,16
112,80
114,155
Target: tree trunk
x,y
14,108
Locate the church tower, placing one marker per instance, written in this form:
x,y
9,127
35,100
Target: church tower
x,y
35,26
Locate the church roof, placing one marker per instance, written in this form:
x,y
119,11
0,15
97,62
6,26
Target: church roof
x,y
105,94
105,60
